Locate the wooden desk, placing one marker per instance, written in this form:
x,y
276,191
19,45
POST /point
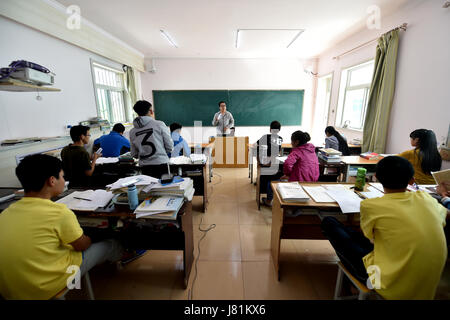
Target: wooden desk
x,y
285,149
230,152
139,237
207,150
359,162
355,149
304,226
197,172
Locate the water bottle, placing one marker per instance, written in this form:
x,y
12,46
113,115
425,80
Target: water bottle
x,y
132,197
360,179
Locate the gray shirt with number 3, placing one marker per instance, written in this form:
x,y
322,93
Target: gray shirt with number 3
x,y
150,141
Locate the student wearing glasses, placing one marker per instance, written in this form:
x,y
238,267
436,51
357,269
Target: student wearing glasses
x,y
78,165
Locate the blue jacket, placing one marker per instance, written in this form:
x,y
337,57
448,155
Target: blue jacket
x,y
113,144
180,145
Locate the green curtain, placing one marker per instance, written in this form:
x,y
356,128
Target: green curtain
x,y
131,90
381,94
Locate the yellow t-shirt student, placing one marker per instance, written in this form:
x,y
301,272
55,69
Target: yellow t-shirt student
x,y
409,243
420,176
34,248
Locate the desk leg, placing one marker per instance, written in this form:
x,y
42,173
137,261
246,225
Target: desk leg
x,y
277,224
347,173
188,252
258,181
205,189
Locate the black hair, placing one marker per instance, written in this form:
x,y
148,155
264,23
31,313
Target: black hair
x,y
428,153
33,171
394,172
175,126
118,127
275,125
142,107
301,137
343,146
77,131
220,102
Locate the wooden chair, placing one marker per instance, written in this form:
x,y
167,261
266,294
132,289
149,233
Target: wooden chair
x,y
364,292
86,283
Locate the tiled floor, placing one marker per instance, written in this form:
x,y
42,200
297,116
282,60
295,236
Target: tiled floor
x,y
235,261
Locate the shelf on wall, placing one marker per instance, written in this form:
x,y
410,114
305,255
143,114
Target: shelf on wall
x,y
20,86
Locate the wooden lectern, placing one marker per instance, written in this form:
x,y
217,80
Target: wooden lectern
x,y
230,152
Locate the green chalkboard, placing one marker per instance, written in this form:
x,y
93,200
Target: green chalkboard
x,y
249,107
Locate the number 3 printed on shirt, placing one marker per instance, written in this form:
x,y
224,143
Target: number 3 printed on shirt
x,y
144,142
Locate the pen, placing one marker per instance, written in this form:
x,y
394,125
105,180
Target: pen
x,y
82,199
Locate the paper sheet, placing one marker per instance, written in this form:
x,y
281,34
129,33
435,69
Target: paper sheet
x,y
378,186
372,193
141,180
319,194
282,159
348,201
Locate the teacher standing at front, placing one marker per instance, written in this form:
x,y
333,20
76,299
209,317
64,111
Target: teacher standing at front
x,y
223,120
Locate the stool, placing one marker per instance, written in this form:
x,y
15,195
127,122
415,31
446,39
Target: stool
x,y
86,283
364,292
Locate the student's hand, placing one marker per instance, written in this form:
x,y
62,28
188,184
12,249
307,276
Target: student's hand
x,y
442,189
95,156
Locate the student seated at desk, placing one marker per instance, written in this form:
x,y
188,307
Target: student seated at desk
x,y
180,145
114,144
336,141
402,238
150,141
268,147
302,163
40,239
77,163
424,157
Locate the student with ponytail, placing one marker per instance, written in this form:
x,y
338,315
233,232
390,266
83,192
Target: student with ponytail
x,y
425,156
336,141
301,164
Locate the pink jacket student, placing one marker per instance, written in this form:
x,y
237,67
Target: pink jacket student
x,y
302,163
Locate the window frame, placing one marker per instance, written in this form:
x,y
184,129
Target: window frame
x,y
341,103
108,90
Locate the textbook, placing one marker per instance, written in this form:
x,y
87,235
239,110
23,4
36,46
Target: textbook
x,y
331,159
88,200
292,192
370,156
442,176
164,207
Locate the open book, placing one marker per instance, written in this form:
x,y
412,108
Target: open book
x,y
442,176
88,200
292,192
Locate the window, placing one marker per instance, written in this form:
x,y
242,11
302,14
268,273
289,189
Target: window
x,y
322,106
110,94
353,96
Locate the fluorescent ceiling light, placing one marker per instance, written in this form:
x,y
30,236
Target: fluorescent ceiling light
x,y
168,38
295,38
237,39
300,31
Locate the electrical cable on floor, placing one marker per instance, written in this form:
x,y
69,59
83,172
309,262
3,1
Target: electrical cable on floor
x,y
205,231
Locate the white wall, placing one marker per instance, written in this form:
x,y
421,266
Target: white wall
x,y
422,95
203,74
21,114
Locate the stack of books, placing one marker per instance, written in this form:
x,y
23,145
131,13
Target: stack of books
x,y
370,155
292,192
180,187
330,155
162,208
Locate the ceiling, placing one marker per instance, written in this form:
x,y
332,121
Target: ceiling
x,y
207,28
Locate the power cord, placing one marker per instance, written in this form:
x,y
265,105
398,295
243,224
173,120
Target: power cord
x,y
205,231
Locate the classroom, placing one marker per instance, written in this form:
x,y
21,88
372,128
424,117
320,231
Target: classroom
x,y
289,138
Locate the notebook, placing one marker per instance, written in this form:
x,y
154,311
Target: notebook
x,y
88,200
